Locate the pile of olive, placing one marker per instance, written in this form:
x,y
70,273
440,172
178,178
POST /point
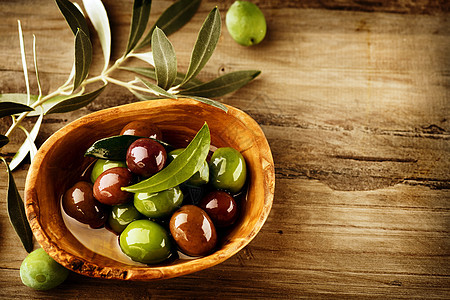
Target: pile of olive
x,y
152,226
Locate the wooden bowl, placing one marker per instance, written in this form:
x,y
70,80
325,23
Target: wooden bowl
x,y
60,161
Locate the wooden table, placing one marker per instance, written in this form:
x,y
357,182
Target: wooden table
x,y
354,100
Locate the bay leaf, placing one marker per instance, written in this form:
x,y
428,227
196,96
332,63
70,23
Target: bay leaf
x,y
173,18
73,16
99,19
139,20
222,85
115,147
207,40
3,140
16,212
186,164
153,88
11,108
164,58
75,102
83,58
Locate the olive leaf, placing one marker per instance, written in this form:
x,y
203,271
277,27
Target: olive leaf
x,y
173,18
186,164
73,16
83,57
3,140
139,20
12,108
115,147
165,59
16,212
207,101
24,61
36,70
99,19
145,56
150,73
22,98
26,145
143,97
207,40
222,85
75,102
153,88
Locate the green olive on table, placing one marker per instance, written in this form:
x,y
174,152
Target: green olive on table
x,y
246,23
122,215
199,178
101,165
145,241
39,271
160,204
227,169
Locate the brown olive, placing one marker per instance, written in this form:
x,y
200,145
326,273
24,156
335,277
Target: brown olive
x,y
193,231
79,203
220,207
142,128
107,186
146,157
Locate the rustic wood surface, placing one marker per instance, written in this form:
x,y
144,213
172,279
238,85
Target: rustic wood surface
x,y
354,100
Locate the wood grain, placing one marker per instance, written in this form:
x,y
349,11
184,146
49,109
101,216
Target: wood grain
x,y
354,101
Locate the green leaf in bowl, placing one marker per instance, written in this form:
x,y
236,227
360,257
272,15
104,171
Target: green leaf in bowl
x,y
115,147
186,164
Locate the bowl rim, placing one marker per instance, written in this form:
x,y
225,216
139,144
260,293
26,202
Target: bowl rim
x,y
146,273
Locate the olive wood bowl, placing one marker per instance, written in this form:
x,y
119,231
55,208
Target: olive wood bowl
x,y
60,161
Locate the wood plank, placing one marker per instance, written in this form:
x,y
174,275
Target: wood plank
x,y
353,98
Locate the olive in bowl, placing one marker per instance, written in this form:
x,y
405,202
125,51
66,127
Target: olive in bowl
x,y
60,161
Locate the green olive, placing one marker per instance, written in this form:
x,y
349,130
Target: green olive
x,y
246,23
160,204
101,165
39,271
145,241
228,170
122,215
199,178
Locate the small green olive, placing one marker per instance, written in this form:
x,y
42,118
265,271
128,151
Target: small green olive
x,y
228,170
40,272
101,165
122,215
246,23
145,241
199,178
160,204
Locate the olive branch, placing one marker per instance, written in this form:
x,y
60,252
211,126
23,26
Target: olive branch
x,y
159,78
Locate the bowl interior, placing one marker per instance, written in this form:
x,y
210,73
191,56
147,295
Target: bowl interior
x,y
60,161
